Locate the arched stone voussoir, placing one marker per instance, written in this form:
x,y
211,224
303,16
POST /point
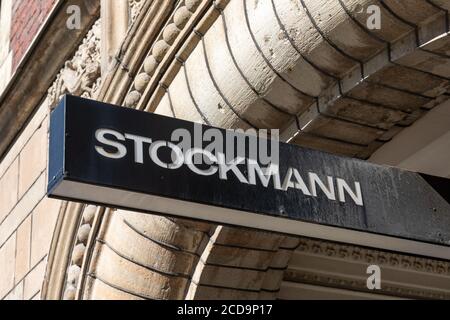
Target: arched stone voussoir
x,y
316,70
313,69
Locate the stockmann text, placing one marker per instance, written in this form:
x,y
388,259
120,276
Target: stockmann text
x,y
335,189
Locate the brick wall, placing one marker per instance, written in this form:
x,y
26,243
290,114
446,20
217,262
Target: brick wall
x,y
27,18
27,217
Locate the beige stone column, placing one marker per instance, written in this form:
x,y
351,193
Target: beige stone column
x,y
115,19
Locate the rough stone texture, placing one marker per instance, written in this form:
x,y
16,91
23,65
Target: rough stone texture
x,y
70,293
89,214
176,248
138,279
141,81
210,293
170,33
150,65
83,233
73,275
98,290
159,50
78,253
192,5
266,64
132,99
181,17
241,257
81,74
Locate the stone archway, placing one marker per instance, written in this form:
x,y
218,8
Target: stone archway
x,y
310,68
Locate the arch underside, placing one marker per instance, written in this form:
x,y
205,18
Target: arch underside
x,y
314,70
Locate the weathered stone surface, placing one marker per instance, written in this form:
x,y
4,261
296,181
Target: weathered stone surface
x,y
141,82
89,214
263,71
363,113
83,233
242,98
170,33
132,99
73,274
164,230
137,279
415,13
230,277
81,75
342,130
78,254
440,45
70,293
411,80
272,279
192,5
290,242
240,257
150,65
181,17
98,290
352,41
427,62
209,293
321,143
377,94
159,50
247,238
281,259
127,242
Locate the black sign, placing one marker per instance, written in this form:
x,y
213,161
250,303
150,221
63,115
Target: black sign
x,y
118,157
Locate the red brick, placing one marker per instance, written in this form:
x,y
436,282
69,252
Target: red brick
x,y
27,18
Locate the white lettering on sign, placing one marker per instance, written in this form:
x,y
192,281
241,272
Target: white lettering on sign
x,y
335,189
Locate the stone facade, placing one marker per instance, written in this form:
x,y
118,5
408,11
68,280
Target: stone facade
x,y
327,83
27,217
27,17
